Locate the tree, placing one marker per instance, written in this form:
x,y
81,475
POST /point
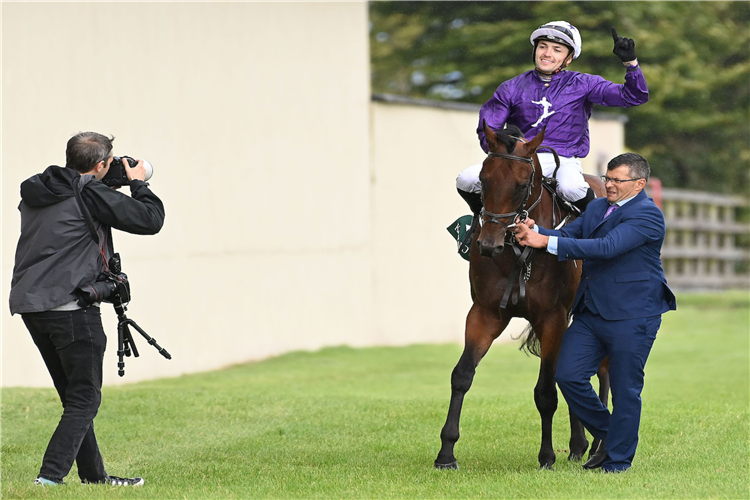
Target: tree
x,y
695,129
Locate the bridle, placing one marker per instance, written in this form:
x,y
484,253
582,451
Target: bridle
x,y
521,212
522,258
522,255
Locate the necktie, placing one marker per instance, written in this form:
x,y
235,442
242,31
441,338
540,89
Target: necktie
x,y
611,209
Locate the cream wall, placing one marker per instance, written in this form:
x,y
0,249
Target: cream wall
x,y
299,213
607,136
255,117
421,283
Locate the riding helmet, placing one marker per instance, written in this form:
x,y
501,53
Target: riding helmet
x,y
558,32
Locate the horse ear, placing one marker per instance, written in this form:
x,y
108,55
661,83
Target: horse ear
x,y
536,141
489,134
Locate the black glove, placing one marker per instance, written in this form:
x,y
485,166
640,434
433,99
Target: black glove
x,y
624,47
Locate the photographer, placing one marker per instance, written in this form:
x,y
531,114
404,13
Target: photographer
x,y
60,249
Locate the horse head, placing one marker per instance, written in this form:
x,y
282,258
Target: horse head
x,y
507,180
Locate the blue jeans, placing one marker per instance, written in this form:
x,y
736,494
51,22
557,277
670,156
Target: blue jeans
x,y
585,344
72,344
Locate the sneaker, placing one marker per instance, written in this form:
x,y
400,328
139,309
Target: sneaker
x,y
46,482
118,481
125,481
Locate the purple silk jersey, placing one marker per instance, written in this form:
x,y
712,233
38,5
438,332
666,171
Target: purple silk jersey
x,y
563,106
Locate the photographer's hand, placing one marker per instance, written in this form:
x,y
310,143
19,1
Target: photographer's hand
x,y
137,172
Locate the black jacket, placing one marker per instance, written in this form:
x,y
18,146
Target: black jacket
x,y
56,252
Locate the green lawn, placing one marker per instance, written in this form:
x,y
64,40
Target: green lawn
x,y
346,423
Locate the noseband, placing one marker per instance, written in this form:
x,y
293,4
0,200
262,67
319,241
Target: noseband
x,y
521,212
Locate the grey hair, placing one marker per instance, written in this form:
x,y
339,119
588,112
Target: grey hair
x,y
638,167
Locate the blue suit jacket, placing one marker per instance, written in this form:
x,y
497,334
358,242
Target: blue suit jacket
x,y
621,258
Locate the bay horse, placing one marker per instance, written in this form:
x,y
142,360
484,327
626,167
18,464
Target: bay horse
x,y
509,281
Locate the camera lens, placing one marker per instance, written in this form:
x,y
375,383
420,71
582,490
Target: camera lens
x,y
149,169
95,292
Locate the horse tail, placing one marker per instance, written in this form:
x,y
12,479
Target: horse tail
x,y
531,343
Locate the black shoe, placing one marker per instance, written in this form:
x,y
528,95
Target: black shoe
x,y
583,202
597,459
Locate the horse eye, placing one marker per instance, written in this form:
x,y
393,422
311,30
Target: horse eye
x,y
522,188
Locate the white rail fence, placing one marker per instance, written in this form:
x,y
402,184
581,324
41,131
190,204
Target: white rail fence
x,y
705,245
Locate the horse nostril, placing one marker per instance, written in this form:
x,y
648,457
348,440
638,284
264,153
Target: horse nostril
x,y
486,250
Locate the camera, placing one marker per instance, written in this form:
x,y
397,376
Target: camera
x,y
111,286
116,176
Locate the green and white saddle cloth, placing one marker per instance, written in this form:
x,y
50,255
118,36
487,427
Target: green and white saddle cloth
x,y
460,232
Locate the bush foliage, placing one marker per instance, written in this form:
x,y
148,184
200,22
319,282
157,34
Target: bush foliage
x,y
695,129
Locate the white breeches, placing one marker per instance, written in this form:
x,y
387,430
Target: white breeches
x,y
570,183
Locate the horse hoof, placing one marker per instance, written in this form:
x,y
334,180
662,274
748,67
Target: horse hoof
x,y
453,465
574,457
546,467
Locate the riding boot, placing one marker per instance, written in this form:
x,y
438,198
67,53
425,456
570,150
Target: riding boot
x,y
583,202
474,200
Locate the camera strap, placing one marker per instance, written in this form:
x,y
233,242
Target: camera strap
x,y
85,211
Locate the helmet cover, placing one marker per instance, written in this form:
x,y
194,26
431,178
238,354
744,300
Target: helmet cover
x,y
559,32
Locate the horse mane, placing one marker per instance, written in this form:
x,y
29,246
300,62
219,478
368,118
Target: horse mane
x,y
509,137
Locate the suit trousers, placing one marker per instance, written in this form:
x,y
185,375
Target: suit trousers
x,y
72,344
585,344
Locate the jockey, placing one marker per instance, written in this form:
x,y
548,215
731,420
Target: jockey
x,y
561,100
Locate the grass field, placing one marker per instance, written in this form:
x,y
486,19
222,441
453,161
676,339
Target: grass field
x,y
346,423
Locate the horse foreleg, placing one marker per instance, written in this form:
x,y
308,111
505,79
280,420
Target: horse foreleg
x,y
481,329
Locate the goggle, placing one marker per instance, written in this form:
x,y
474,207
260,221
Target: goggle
x,y
554,39
561,29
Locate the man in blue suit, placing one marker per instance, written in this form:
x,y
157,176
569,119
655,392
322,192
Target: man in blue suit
x,y
618,305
